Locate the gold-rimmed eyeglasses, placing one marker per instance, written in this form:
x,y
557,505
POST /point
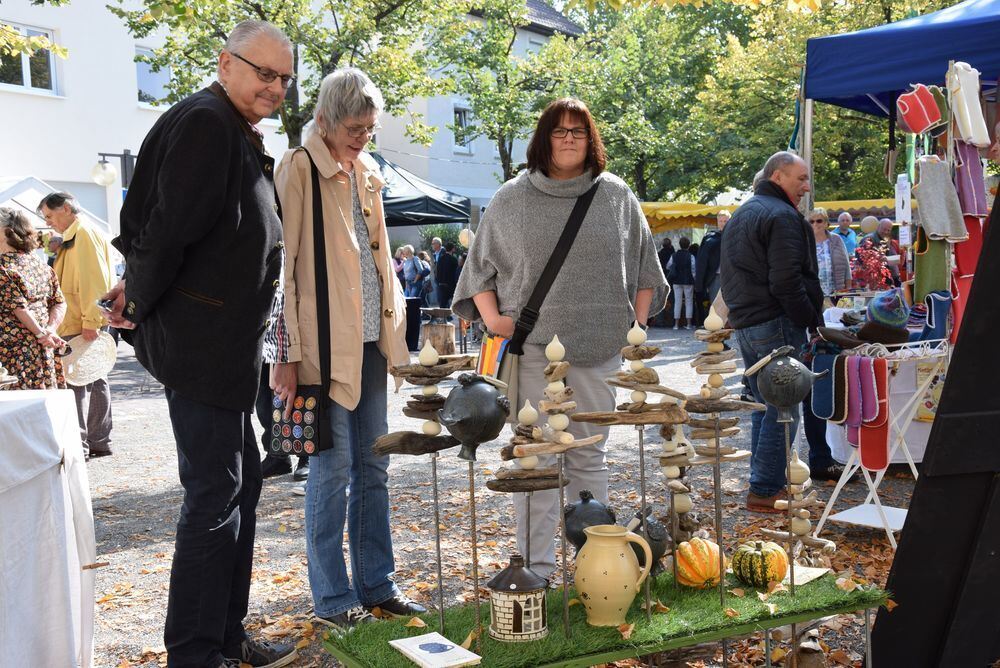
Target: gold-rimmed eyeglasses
x,y
356,131
266,75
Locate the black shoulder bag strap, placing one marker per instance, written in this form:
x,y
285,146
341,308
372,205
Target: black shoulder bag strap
x,y
529,314
322,284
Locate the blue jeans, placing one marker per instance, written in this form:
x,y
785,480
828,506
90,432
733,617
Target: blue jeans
x,y
351,463
767,445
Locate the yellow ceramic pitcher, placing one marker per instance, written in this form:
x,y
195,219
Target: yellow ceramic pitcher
x,y
608,575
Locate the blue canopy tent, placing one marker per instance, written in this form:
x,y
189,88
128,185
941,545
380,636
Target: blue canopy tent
x,y
865,70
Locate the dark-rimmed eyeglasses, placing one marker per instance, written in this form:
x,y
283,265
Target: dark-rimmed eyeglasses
x,y
356,131
266,75
578,133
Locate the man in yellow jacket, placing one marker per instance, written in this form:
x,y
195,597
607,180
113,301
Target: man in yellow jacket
x,y
85,269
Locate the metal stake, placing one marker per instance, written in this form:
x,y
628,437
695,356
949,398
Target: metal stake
x,y
788,483
717,481
642,513
437,539
562,541
674,530
767,648
475,554
527,523
868,640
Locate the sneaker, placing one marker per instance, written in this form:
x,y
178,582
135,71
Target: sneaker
x,y
764,504
272,466
676,328
399,606
264,654
348,619
832,472
299,490
230,663
301,469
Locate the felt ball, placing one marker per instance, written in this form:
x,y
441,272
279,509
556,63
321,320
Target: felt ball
x,y
529,462
432,428
559,422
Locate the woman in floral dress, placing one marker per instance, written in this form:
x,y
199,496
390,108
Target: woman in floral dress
x,y
31,306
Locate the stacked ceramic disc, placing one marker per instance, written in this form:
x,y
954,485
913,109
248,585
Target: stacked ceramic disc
x,y
532,438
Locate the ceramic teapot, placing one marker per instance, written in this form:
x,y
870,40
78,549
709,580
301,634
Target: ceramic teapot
x,y
586,512
608,575
474,412
656,535
783,381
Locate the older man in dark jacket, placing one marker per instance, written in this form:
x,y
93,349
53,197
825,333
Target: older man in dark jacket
x,y
202,242
771,285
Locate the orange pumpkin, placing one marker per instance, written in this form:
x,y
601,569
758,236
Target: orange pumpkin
x,y
698,563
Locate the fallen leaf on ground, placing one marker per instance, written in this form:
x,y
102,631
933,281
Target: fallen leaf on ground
x,y
771,608
738,593
418,623
774,587
841,657
302,644
574,601
762,596
467,643
626,630
846,584
777,654
731,613
890,604
282,528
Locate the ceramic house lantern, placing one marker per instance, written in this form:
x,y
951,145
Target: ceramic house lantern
x,y
517,603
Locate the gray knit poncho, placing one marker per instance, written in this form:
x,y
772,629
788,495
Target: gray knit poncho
x,y
590,305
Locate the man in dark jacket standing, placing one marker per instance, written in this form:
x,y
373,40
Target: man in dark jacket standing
x,y
770,283
446,274
706,276
202,242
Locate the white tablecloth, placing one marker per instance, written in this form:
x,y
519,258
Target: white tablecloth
x,y
46,533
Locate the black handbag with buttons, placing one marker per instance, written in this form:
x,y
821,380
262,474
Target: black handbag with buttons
x,y
301,433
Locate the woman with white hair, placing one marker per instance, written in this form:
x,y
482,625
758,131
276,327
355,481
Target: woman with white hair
x,y
367,323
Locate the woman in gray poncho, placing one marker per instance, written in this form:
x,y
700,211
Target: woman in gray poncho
x,y
610,278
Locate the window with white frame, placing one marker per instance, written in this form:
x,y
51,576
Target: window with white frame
x,y
151,85
463,118
33,72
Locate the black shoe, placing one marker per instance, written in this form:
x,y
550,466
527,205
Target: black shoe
x,y
399,606
831,472
263,654
94,454
301,469
272,466
348,619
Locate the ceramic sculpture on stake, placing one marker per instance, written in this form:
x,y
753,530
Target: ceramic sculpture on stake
x,y
426,374
531,441
642,381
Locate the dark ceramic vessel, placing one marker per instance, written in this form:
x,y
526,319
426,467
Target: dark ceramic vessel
x,y
475,412
586,512
784,381
657,536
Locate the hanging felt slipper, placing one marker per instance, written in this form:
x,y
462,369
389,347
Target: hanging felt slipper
x,y
874,447
839,390
936,324
823,405
853,399
869,398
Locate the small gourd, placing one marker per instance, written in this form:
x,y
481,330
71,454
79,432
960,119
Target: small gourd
x,y
428,355
698,563
758,562
555,351
713,322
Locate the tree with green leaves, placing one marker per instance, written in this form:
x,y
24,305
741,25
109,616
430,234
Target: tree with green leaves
x,y
382,37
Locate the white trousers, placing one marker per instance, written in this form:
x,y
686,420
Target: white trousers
x,y
683,293
585,467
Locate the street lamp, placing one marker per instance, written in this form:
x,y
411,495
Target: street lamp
x,y
104,173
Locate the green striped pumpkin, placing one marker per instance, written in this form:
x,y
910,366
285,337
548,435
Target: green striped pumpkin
x,y
758,562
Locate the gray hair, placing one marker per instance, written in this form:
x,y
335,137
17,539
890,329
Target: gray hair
x,y
53,201
346,93
247,32
845,213
758,178
777,162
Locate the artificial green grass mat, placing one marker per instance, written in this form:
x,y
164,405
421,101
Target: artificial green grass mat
x,y
694,616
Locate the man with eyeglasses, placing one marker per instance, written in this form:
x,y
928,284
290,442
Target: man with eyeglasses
x,y
202,241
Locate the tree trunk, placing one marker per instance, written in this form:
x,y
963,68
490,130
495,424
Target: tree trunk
x,y
291,109
505,145
640,178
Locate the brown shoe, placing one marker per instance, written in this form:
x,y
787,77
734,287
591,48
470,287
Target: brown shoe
x,y
764,504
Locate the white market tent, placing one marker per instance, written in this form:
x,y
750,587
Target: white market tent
x,y
25,192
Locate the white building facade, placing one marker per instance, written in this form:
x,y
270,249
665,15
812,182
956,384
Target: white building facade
x,y
57,115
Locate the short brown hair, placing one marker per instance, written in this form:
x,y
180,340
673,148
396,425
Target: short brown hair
x,y
17,230
540,147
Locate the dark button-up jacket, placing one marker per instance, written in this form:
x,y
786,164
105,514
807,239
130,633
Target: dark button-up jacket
x,y
201,237
769,264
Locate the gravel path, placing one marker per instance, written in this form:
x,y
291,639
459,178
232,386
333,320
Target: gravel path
x,y
136,497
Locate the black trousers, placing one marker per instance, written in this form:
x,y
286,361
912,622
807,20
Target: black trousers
x,y
219,468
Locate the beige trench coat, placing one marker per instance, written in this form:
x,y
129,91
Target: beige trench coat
x,y
293,182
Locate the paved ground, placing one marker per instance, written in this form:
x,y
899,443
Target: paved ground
x,y
136,498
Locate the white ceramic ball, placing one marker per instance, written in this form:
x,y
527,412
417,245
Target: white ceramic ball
x,y
529,462
715,347
637,365
715,380
801,527
671,471
432,428
559,422
429,390
555,386
682,503
638,396
670,446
